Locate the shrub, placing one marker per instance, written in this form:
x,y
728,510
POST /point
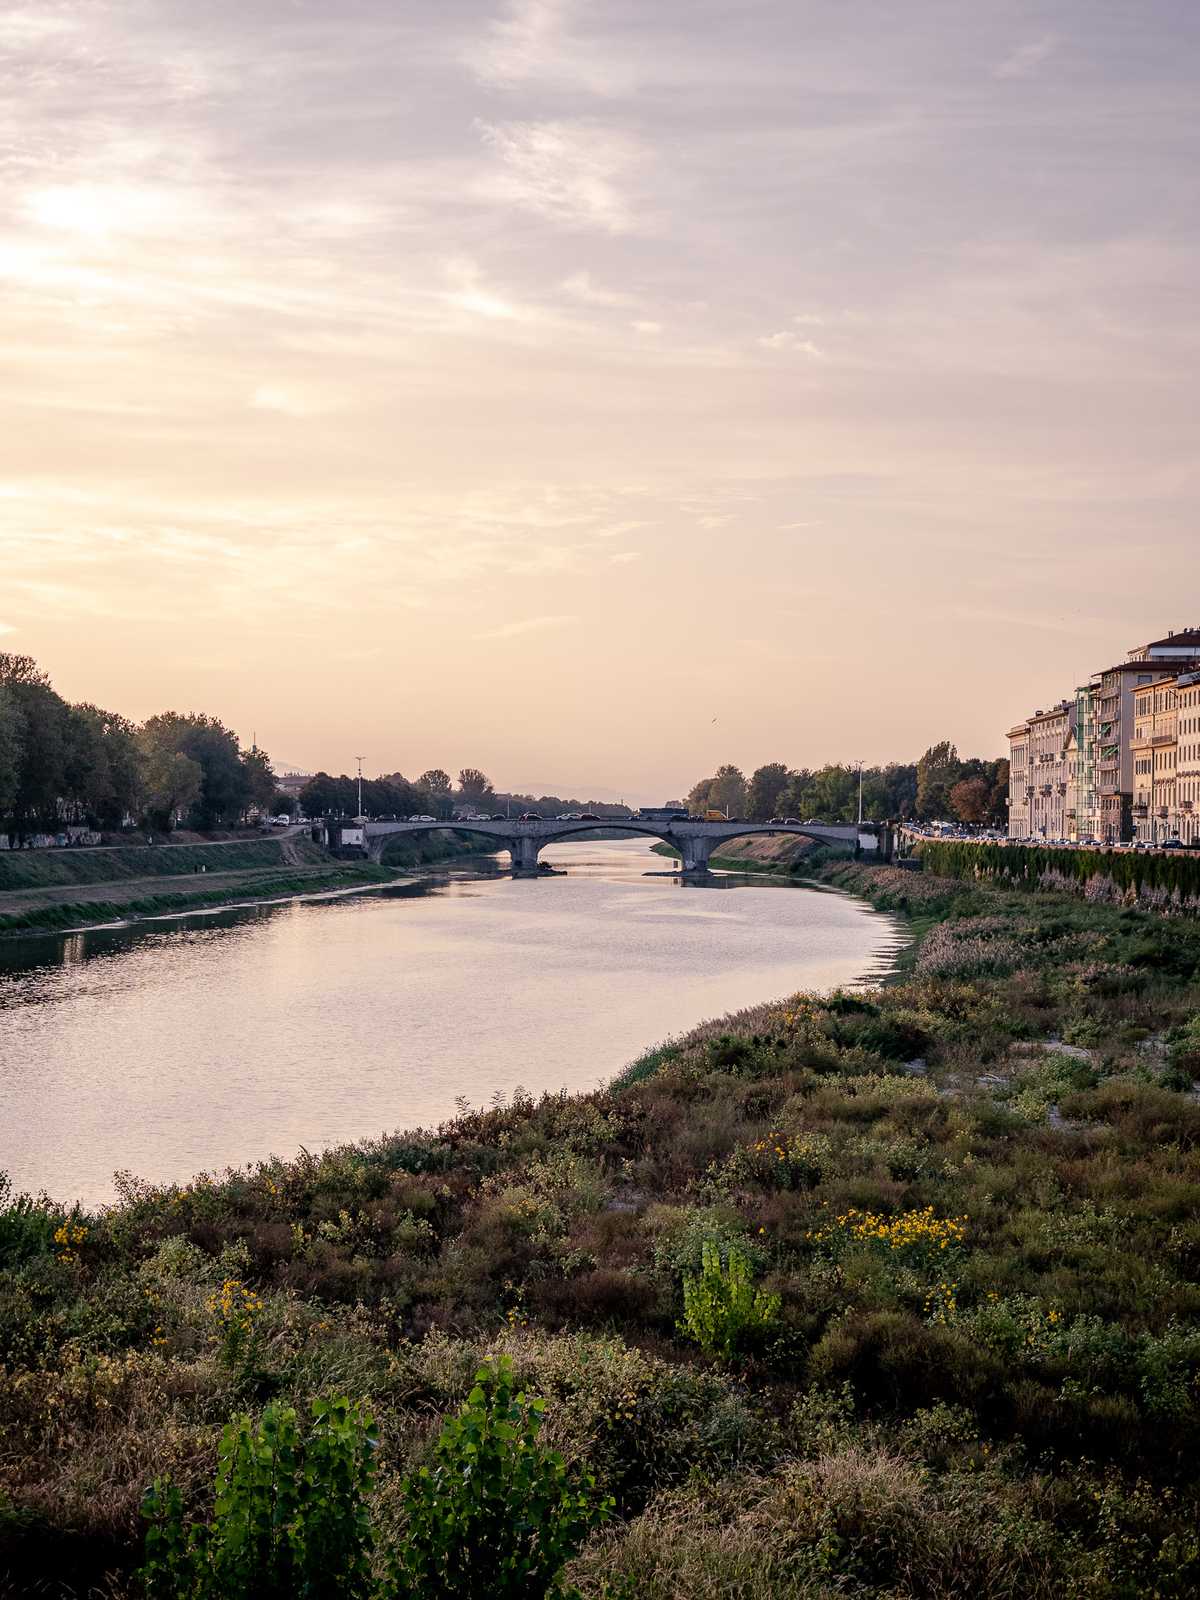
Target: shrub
x,y
290,1519
496,1514
722,1310
780,1161
26,1225
894,1361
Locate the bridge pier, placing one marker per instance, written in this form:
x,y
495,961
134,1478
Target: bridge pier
x,y
524,852
696,852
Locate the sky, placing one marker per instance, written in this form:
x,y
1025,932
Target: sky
x,y
594,391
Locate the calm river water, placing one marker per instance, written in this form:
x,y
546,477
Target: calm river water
x,y
176,1046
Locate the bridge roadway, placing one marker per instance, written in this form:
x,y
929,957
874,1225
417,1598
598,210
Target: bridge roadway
x,y
695,840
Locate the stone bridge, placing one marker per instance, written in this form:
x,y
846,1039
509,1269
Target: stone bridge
x,y
695,840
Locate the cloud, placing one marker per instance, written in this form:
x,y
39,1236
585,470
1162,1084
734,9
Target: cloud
x,y
292,400
533,42
581,287
510,630
7,627
786,340
650,328
567,172
523,44
1027,58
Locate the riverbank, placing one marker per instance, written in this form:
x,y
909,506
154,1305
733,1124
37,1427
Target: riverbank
x,y
969,1200
778,855
61,890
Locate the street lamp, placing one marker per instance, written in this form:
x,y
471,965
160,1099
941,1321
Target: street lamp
x,y
860,792
359,759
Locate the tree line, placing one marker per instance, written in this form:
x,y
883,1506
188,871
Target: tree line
x,y
434,794
64,764
942,785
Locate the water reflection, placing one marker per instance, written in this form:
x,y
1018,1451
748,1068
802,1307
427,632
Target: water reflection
x,y
172,1046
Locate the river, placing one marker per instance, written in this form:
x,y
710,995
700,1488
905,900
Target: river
x,y
174,1046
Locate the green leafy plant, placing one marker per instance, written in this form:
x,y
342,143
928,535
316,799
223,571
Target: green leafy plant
x,y
722,1310
496,1514
290,1518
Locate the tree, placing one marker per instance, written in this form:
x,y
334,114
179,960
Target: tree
x,y
969,799
797,799
21,669
698,796
87,782
997,809
10,750
123,758
259,778
172,781
899,782
938,770
727,792
224,788
435,781
323,796
494,1513
834,794
766,787
283,805
474,786
42,768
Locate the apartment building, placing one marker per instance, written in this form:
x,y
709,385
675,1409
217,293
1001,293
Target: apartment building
x,y
1113,715
1187,775
1051,759
1078,760
1083,808
1018,781
1155,751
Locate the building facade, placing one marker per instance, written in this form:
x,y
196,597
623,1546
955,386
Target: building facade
x,y
1084,815
1018,781
1050,761
1187,778
1155,751
1074,770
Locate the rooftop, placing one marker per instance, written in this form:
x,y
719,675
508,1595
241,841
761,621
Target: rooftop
x,y
1180,640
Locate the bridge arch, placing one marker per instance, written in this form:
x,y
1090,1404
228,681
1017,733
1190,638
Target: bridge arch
x,y
695,837
377,844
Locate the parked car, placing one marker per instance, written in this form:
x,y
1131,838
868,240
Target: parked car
x,y
530,816
422,817
497,816
588,816
281,821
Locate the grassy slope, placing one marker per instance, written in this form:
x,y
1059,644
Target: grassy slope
x,y
31,869
153,897
255,870
1012,1415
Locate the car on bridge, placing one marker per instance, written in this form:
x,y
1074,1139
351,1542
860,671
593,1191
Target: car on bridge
x,y
588,816
530,816
496,816
422,817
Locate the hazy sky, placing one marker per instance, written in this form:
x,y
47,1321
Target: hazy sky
x,y
530,383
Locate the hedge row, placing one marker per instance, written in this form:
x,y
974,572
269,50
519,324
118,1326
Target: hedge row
x,y
1027,865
